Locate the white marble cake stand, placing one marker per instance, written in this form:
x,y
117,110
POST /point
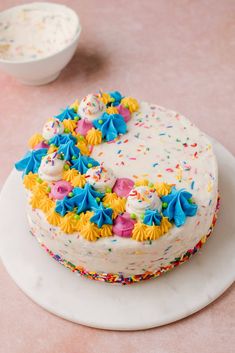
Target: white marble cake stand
x,y
171,297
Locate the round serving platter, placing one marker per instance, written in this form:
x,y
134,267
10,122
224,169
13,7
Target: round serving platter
x,y
152,303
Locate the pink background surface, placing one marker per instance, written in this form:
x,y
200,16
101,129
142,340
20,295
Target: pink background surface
x,y
179,54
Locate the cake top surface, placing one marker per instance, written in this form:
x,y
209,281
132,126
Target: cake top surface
x,y
110,165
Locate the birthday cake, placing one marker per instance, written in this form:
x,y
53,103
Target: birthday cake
x,y
120,190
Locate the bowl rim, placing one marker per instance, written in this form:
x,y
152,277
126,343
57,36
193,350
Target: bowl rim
x,y
36,60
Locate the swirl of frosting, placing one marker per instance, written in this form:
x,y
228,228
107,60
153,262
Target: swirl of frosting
x,y
116,97
83,126
165,225
153,232
118,206
109,198
30,180
102,216
152,217
142,198
106,98
79,180
130,103
94,137
110,126
139,232
84,163
69,125
91,107
51,128
35,201
60,189
53,217
35,140
162,189
64,205
106,231
51,167
90,232
101,178
69,150
31,161
67,222
46,204
83,146
85,198
69,174
123,186
112,110
40,188
67,113
62,139
124,112
123,225
179,206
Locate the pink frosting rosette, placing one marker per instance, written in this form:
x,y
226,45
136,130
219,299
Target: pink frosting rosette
x,y
123,186
60,189
83,126
123,225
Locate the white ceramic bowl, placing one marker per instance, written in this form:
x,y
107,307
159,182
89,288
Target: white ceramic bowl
x,y
43,70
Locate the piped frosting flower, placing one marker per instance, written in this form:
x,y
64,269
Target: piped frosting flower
x,y
67,223
40,188
83,126
51,167
94,137
31,161
162,189
60,189
90,231
85,198
123,186
30,180
110,126
116,97
130,103
102,216
79,180
69,174
69,150
62,139
118,206
125,112
123,225
112,110
46,204
106,231
105,98
53,217
84,163
152,217
141,182
153,232
179,206
102,179
109,198
165,225
52,128
35,140
67,113
139,232
63,206
69,125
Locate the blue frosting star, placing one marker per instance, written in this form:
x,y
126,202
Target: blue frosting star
x,y
67,113
110,125
31,161
152,217
83,163
117,97
102,216
58,140
178,206
85,198
68,150
64,205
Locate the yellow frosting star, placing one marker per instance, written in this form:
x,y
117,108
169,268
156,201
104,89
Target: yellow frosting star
x,y
165,225
153,232
139,232
162,189
75,105
112,110
94,137
141,182
46,204
35,200
82,220
109,198
90,231
53,217
79,180
35,140
118,206
41,189
84,149
105,98
70,124
106,230
67,223
130,103
30,180
69,174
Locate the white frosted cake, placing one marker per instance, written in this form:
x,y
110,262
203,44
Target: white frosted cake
x,y
120,191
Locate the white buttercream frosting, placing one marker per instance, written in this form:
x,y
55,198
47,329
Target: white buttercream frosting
x,y
100,178
142,198
51,168
51,128
91,107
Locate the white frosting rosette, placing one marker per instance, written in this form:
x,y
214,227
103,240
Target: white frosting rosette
x,y
51,167
102,179
91,107
51,128
142,198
